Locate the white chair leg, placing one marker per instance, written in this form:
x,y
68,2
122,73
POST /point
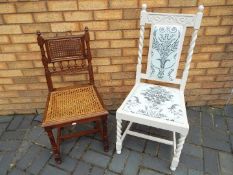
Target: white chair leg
x,y
174,142
176,156
119,141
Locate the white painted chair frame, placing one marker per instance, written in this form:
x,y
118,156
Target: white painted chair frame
x,y
186,20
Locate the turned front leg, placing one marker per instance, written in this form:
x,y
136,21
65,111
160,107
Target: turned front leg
x,y
177,153
54,145
105,134
119,142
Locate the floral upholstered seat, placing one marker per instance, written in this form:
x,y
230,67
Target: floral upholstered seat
x,y
156,102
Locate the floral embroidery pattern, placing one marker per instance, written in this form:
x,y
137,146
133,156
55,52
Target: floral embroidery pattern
x,y
154,101
164,51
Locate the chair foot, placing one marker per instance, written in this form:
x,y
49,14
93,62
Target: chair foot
x,y
174,164
118,148
118,152
58,159
106,148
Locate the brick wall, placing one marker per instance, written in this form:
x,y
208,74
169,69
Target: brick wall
x,y
114,33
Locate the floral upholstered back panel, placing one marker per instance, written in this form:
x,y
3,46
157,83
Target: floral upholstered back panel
x,y
164,52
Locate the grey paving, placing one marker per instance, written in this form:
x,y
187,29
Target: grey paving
x,y
48,170
96,158
25,148
68,164
133,163
83,168
211,161
226,162
118,161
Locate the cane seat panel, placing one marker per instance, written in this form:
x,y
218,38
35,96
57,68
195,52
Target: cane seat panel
x,y
72,104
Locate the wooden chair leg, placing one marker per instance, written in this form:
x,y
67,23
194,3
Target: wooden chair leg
x,y
55,147
105,134
176,156
58,138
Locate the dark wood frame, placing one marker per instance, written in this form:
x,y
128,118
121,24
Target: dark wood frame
x,y
98,119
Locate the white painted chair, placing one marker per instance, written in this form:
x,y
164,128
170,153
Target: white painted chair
x,y
159,106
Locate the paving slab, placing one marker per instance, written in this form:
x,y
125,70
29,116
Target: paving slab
x,y
193,150
194,117
156,164
13,135
9,145
97,171
39,161
26,123
49,170
216,139
130,141
6,119
148,172
15,123
192,162
118,161
230,124
5,162
194,135
152,148
96,158
220,123
83,168
226,162
133,163
80,147
211,161
68,163
29,157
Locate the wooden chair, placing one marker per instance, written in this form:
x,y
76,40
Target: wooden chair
x,y
157,106
70,105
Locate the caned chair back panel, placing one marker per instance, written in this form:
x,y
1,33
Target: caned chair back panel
x,y
64,48
65,55
166,40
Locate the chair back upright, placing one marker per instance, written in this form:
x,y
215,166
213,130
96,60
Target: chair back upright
x,y
65,55
165,45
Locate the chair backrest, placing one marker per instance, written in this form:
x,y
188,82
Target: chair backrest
x,y
165,45
65,55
